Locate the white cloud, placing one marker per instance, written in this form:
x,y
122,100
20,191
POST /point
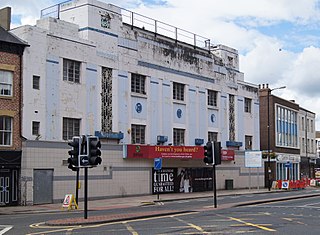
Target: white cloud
x,y
264,58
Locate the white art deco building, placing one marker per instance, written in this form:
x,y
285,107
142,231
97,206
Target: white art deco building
x,y
96,69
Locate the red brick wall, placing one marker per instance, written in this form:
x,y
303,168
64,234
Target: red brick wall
x,y
11,105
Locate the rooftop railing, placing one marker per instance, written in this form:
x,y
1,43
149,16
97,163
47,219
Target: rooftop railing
x,y
146,23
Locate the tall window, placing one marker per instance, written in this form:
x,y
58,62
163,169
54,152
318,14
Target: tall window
x,y
35,128
303,146
138,133
212,136
178,137
287,127
178,91
6,81
212,98
5,131
36,82
71,127
138,83
247,105
248,142
71,71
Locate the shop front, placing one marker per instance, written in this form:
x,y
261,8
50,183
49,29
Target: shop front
x,y
10,164
183,169
288,167
175,176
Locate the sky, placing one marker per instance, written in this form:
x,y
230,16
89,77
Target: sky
x,y
278,40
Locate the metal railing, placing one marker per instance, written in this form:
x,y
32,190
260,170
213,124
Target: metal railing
x,y
161,28
146,23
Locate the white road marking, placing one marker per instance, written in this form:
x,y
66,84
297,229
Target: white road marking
x,y
6,229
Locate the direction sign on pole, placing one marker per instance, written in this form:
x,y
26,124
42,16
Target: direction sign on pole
x,y
157,163
253,159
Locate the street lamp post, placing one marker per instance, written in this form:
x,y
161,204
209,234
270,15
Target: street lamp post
x,y
269,167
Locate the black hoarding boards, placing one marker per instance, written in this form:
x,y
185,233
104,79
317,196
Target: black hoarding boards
x,y
181,180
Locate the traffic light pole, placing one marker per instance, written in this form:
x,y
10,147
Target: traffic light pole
x,y
214,186
77,186
85,192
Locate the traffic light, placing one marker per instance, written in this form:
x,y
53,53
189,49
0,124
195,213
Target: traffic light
x,y
208,153
73,160
94,152
83,157
217,153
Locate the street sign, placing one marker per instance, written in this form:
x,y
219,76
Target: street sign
x,y
157,163
288,164
285,184
84,160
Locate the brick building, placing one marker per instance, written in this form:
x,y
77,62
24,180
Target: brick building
x,y
11,50
284,126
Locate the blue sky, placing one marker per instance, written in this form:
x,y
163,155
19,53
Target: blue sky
x,y
278,40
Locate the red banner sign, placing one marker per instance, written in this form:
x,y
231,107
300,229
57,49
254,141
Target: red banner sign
x,y
227,155
159,151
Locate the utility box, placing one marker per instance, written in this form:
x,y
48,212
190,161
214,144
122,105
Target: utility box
x,y
229,184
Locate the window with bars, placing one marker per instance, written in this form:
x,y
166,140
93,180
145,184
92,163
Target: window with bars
x,y
71,70
35,128
247,105
178,137
5,131
138,133
178,91
6,83
212,136
36,82
212,98
71,127
138,83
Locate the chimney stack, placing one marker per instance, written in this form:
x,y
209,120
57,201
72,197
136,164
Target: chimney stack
x,y
5,18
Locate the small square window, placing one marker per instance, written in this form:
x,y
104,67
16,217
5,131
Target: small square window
x,y
138,83
71,70
70,128
178,136
138,133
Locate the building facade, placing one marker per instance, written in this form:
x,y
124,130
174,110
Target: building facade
x,y
308,143
95,70
11,51
283,133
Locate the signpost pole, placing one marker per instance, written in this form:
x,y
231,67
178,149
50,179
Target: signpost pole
x,y
249,178
258,178
157,167
158,194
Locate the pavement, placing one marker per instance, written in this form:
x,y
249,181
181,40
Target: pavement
x,y
127,202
